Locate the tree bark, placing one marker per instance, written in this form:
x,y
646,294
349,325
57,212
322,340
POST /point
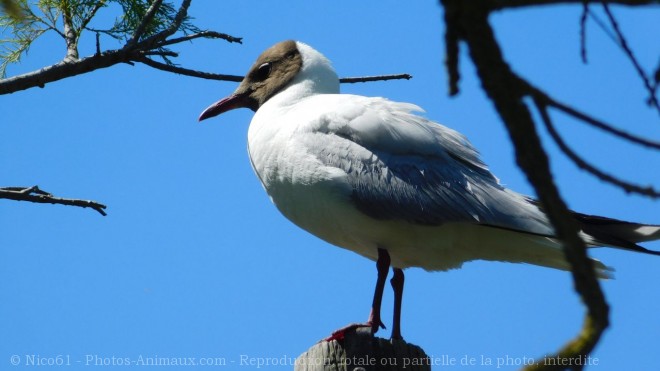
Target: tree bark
x,y
361,351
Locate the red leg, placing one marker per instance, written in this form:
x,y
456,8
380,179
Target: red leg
x,y
382,265
374,322
397,285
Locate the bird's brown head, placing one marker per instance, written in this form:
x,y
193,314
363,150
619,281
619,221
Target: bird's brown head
x,y
272,71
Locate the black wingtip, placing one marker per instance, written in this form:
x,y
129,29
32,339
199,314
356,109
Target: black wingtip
x,y
619,233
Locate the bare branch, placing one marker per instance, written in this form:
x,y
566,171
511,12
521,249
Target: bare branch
x,y
171,29
583,30
491,5
179,18
603,26
135,50
653,100
148,17
69,68
452,50
91,15
70,33
162,53
204,34
34,194
184,71
580,162
351,80
236,78
547,100
63,70
507,91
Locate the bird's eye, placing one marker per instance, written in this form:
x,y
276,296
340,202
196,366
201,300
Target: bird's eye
x,y
263,72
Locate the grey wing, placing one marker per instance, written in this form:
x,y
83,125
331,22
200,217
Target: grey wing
x,y
396,174
416,190
433,191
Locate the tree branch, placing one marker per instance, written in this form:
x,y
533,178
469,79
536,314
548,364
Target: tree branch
x,y
204,34
85,21
34,194
148,17
507,91
184,71
133,51
352,80
493,5
70,34
452,39
171,29
652,100
236,78
626,186
181,15
63,70
161,52
583,30
137,51
603,26
545,99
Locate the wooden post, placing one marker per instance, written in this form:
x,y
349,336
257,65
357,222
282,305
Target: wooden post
x,y
361,351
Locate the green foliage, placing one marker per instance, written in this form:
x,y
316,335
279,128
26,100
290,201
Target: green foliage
x,y
20,33
134,12
81,12
40,16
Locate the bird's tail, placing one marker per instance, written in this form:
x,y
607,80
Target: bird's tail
x,y
618,233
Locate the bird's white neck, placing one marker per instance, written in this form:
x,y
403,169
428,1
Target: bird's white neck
x,y
268,134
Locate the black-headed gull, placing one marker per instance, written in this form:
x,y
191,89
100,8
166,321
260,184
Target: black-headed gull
x,y
369,175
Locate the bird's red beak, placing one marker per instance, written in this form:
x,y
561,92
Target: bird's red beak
x,y
231,102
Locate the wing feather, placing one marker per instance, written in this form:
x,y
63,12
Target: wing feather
x,y
402,166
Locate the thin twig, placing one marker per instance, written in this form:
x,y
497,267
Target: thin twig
x,y
653,100
188,72
27,190
583,31
603,26
34,194
547,100
493,5
204,34
171,29
351,80
148,17
162,53
180,16
29,14
91,15
580,162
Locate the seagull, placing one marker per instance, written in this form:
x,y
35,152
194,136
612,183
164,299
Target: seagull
x,y
373,176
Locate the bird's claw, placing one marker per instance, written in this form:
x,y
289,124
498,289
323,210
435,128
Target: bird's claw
x,y
340,334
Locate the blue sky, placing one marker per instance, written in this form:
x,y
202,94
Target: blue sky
x,y
194,261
